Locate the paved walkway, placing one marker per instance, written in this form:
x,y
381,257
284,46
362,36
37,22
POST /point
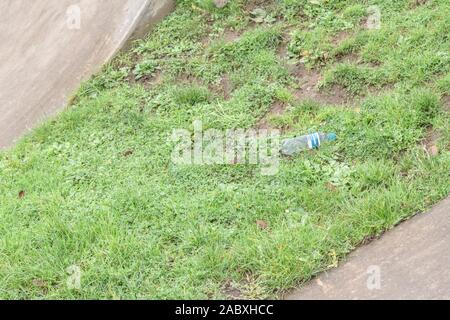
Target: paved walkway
x,y
48,47
412,261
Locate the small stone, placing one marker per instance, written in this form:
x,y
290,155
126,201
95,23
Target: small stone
x,y
434,151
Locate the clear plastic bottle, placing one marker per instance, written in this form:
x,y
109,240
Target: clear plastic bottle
x,y
292,146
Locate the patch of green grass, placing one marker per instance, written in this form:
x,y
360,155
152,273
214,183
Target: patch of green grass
x,y
444,84
310,47
251,42
191,95
355,79
145,69
96,188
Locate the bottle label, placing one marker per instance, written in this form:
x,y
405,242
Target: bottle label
x,y
314,141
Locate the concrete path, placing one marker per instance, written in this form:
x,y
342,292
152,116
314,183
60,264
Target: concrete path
x,y
412,261
48,47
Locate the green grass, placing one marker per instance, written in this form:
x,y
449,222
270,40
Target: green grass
x,y
96,187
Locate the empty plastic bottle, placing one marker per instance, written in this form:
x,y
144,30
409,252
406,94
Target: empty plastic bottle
x,y
292,146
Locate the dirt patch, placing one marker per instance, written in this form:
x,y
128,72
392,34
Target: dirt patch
x,y
151,81
148,81
188,79
429,143
206,41
282,50
243,289
42,285
379,90
226,87
417,3
344,57
363,23
277,109
341,37
446,102
227,36
220,3
352,58
231,36
308,81
255,4
231,291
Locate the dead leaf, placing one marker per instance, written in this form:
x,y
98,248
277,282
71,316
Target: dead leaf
x,y
334,259
39,283
331,186
261,224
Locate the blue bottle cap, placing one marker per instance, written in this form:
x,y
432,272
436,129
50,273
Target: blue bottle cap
x,y
331,137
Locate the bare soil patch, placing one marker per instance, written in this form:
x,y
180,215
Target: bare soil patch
x,y
429,143
308,81
341,37
446,103
417,3
277,109
226,87
231,291
254,4
231,35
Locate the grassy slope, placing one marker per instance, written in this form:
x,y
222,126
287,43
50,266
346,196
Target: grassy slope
x,y
98,190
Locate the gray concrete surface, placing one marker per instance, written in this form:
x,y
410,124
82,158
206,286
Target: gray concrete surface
x,y
47,49
412,261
